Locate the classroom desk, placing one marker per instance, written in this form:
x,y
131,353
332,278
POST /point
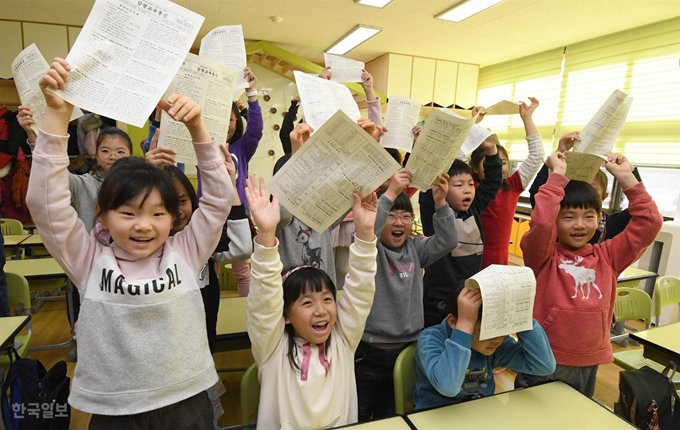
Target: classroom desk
x,y
554,406
231,325
15,239
19,241
661,344
394,423
42,274
10,327
631,277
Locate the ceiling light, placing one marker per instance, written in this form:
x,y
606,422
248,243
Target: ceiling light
x,y
359,35
374,3
466,9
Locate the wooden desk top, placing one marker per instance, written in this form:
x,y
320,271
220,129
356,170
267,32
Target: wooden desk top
x,y
15,239
10,327
35,239
550,406
665,338
635,274
231,318
35,268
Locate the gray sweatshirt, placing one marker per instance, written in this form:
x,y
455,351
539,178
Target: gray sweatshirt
x,y
397,312
84,190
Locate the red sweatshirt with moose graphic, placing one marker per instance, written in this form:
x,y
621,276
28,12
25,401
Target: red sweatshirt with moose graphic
x,y
576,289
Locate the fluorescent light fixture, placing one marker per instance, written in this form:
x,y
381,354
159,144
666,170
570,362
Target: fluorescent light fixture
x,y
374,3
466,9
351,40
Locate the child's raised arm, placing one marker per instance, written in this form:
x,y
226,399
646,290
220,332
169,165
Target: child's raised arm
x,y
265,213
527,170
566,142
445,237
400,180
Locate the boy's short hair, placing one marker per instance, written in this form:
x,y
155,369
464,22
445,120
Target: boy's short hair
x,y
601,177
402,203
452,300
394,153
581,195
460,167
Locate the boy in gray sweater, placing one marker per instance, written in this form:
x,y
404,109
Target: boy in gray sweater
x,y
396,318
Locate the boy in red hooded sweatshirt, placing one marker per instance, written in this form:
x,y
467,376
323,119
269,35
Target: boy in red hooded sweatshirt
x,y
576,281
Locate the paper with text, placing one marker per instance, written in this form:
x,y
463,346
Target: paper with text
x,y
400,118
316,184
344,69
224,45
508,294
504,107
27,69
321,98
126,55
599,135
438,143
583,167
475,137
209,84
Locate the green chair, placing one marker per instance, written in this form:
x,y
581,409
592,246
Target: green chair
x,y
634,304
404,378
250,396
666,292
17,292
11,226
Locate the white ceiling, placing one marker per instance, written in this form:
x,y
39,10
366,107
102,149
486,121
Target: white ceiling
x,y
511,29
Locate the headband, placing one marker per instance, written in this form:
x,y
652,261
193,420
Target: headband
x,y
293,270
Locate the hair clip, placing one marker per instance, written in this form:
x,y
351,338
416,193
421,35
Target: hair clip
x,y
293,270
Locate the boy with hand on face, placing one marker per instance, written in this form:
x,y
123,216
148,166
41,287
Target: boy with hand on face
x,y
453,365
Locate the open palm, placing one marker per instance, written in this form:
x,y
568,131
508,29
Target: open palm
x,y
265,213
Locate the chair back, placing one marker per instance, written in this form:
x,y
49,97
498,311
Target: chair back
x,y
404,378
18,291
633,304
11,226
666,292
250,395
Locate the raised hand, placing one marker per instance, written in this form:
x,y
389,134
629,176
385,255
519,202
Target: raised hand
x,y
400,180
526,111
159,157
371,128
490,148
250,78
56,78
185,110
364,212
25,119
299,136
568,140
477,111
621,169
557,162
266,214
469,302
440,188
326,73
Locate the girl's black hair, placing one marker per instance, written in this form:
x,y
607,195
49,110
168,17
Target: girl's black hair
x,y
176,173
108,131
581,195
394,153
238,131
402,203
460,167
131,177
452,300
478,157
305,279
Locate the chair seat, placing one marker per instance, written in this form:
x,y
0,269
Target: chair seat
x,y
633,359
23,350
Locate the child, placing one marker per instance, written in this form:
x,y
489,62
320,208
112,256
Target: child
x,y
468,202
498,216
143,352
302,341
396,318
454,365
576,281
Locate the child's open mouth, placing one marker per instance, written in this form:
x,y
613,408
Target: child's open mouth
x,y
397,234
320,326
142,239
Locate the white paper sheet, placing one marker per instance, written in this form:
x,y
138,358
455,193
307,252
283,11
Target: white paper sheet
x,y
475,137
316,184
599,135
583,167
344,69
400,118
438,143
508,294
321,98
126,55
504,107
209,84
27,69
225,45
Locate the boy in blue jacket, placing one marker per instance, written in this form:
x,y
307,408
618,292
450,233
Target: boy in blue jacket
x,y
453,365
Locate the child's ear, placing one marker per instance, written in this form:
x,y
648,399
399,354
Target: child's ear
x,y
100,218
452,320
286,319
605,195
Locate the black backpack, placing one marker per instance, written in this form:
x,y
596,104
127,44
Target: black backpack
x,y
35,399
648,400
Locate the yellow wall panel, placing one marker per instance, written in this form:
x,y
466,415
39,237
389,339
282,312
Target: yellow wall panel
x,y
422,79
10,46
445,81
400,70
51,40
466,89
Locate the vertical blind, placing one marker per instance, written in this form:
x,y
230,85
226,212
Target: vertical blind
x,y
572,83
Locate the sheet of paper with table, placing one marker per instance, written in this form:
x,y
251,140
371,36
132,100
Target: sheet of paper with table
x,y
400,118
224,45
508,294
321,98
344,69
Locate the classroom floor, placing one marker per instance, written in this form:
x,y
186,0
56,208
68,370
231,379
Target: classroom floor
x,y
50,325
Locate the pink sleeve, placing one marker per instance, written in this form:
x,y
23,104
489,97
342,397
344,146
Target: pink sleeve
x,y
374,113
49,201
